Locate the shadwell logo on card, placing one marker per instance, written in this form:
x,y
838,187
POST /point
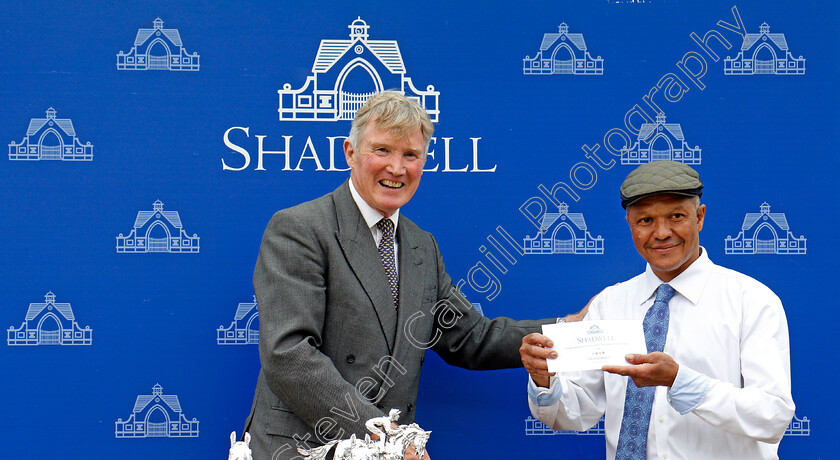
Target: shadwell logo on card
x,y
594,335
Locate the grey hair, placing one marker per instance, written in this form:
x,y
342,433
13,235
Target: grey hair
x,y
696,200
393,112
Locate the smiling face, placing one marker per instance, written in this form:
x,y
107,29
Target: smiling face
x,y
386,167
666,232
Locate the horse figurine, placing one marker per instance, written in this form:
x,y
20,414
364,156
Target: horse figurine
x,y
391,445
239,450
346,449
381,426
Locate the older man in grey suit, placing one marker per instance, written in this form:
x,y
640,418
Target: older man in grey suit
x,y
352,293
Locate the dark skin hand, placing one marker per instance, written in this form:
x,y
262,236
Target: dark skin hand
x,y
654,369
535,350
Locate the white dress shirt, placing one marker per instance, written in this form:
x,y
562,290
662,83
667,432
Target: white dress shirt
x,y
731,398
372,217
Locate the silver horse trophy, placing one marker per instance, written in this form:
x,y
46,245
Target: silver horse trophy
x,y
391,445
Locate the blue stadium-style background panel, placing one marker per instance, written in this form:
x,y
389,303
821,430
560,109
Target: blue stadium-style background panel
x,y
149,143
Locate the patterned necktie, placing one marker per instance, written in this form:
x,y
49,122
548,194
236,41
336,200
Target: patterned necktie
x,y
386,253
638,402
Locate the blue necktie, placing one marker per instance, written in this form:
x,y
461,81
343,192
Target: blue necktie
x,y
386,253
638,402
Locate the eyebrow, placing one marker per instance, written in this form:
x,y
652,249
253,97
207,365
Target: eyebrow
x,y
376,145
679,207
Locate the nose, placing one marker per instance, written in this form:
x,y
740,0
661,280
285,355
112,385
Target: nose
x,y
396,165
661,230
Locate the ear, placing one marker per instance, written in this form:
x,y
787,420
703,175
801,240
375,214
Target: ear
x,y
701,215
232,438
349,153
247,438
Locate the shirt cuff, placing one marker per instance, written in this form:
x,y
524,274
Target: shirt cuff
x,y
544,397
689,390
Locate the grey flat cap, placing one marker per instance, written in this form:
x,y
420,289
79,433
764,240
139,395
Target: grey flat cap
x,y
660,177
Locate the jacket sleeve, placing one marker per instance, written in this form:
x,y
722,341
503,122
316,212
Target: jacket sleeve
x,y
465,338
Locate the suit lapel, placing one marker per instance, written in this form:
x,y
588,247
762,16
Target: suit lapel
x,y
361,253
412,282
411,273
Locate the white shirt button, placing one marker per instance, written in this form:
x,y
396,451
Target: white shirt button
x,y
661,419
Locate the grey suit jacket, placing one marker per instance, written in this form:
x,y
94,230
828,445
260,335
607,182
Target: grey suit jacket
x,y
334,350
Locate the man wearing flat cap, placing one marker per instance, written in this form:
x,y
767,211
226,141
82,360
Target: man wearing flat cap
x,y
715,383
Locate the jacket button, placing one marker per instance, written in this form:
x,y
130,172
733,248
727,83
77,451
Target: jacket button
x,y
410,407
422,360
351,359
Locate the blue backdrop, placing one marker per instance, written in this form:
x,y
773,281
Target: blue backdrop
x,y
150,143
